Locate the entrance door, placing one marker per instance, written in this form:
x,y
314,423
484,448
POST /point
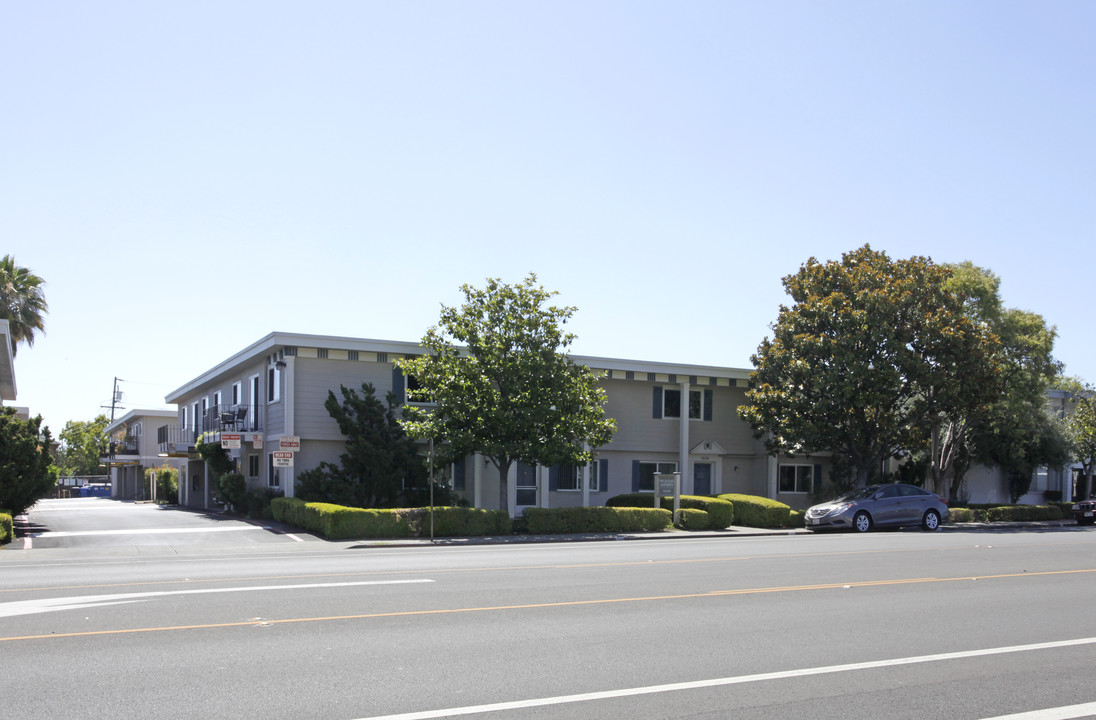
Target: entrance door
x,y
702,478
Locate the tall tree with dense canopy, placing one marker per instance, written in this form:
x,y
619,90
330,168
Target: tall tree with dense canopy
x,y
1002,431
22,302
509,390
83,443
869,354
24,462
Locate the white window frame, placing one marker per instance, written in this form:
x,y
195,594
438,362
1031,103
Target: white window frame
x,y
574,478
697,393
237,393
273,384
799,469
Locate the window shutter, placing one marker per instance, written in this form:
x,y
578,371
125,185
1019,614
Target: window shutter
x,y
635,476
398,385
553,478
603,475
656,407
817,478
708,397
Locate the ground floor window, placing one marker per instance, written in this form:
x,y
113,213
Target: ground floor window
x,y
253,466
565,477
273,478
646,471
796,478
526,484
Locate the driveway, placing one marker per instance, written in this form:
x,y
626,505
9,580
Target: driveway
x,y
102,522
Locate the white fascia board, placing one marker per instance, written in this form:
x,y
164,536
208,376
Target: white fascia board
x,y
7,364
598,363
281,339
134,414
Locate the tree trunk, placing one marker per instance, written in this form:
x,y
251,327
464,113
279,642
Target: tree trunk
x,y
504,474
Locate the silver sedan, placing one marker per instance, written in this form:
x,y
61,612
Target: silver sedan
x,y
877,506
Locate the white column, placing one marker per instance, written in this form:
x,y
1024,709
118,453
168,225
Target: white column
x,y
683,443
477,480
288,406
543,493
511,481
771,472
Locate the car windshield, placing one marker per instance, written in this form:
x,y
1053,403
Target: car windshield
x,y
860,494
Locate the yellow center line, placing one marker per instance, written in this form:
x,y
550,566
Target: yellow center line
x,y
535,606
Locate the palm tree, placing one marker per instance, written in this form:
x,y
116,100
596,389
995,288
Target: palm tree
x,y
22,302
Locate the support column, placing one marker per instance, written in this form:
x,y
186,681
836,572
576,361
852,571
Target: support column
x,y
477,480
683,443
288,482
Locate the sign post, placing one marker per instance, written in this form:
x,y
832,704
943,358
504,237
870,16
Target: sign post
x,y
668,485
283,458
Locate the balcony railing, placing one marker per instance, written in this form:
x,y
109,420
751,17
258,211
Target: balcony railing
x,y
176,441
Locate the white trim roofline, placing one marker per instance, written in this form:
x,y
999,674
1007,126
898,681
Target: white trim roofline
x,y
165,414
282,339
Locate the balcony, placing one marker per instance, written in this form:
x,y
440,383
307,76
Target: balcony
x,y
176,441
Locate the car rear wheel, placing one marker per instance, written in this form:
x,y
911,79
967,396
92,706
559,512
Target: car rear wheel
x,y
931,521
862,522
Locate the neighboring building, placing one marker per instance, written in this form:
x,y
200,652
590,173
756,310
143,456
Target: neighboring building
x,y
133,449
670,418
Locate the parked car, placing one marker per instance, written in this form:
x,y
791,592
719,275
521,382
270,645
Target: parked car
x,y
877,506
1084,512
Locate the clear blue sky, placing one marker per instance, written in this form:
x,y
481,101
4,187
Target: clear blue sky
x,y
188,177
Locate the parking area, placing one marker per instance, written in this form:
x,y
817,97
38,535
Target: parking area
x,y
90,522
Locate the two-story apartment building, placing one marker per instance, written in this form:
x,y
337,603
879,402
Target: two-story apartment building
x,y
133,448
670,417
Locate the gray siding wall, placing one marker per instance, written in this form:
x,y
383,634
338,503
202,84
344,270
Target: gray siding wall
x,y
314,378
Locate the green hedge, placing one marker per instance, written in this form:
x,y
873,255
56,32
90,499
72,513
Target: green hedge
x,y
1006,513
336,522
7,534
692,519
756,511
554,521
722,512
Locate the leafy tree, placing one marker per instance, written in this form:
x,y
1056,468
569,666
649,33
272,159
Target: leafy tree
x,y
978,432
872,351
22,302
510,391
380,459
1081,429
24,461
167,483
82,444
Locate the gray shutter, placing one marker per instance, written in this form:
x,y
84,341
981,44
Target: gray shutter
x,y
553,478
656,406
635,476
603,475
398,385
817,478
708,397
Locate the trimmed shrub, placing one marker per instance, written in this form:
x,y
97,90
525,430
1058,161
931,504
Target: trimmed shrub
x,y
692,519
258,502
756,511
960,515
722,511
7,532
796,519
1015,513
232,488
552,521
458,522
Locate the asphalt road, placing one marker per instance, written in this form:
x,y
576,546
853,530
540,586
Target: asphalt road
x,y
959,624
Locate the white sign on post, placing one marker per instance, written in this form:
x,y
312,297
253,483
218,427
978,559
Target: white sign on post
x,y
283,459
291,443
231,441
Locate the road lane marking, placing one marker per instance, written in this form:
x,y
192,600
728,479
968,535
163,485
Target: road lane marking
x,y
142,531
528,606
33,607
1067,712
740,680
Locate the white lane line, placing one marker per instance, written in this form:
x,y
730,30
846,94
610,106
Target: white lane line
x,y
717,682
142,531
31,607
1068,712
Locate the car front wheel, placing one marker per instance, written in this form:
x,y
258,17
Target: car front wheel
x,y
862,522
931,521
